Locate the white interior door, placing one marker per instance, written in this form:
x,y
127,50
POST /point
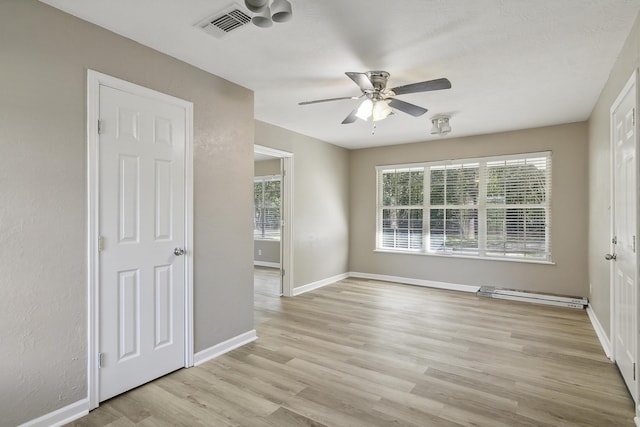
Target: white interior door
x,y
624,240
141,223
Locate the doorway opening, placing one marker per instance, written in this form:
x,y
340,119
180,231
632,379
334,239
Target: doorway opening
x,y
272,225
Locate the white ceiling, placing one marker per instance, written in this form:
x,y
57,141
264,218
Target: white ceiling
x,y
513,64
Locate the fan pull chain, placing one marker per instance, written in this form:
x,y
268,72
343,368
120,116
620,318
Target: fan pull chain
x,y
373,127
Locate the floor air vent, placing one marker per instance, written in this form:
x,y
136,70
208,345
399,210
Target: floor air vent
x,y
548,299
225,21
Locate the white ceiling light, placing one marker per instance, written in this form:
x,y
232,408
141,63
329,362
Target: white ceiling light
x,y
365,110
263,19
280,11
440,125
374,110
256,6
381,110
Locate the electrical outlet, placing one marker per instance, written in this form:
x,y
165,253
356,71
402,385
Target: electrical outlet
x,y
259,252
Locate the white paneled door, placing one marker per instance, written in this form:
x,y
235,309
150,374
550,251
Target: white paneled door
x,y
142,237
624,239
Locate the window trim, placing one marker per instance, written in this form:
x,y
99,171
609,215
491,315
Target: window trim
x,y
263,179
481,206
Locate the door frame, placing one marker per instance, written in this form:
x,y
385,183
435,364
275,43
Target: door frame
x,y
286,243
94,81
631,85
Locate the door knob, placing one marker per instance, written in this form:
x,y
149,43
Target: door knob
x,y
610,257
178,251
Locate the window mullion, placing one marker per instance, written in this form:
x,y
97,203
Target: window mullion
x,y
264,210
482,209
445,200
426,210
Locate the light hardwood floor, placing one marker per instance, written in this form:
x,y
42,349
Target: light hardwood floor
x,y
368,353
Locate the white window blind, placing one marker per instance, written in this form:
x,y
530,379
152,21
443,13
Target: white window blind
x,y
266,198
496,207
402,208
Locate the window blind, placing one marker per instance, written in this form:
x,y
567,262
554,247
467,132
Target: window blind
x,y
266,197
402,208
489,207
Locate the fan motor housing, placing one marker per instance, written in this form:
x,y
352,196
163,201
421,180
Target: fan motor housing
x,y
378,79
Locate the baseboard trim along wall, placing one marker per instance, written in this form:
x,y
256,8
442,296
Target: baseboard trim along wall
x,y
416,282
602,336
80,408
61,416
224,347
319,284
403,280
266,264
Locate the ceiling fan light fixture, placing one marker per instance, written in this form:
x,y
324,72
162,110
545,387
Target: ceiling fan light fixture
x,y
381,110
281,11
365,110
263,19
256,6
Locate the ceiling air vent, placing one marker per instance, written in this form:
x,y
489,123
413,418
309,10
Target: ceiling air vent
x,y
225,21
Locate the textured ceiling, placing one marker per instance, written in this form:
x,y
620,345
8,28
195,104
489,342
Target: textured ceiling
x,y
513,64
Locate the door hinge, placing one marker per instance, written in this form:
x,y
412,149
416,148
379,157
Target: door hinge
x,y
634,371
100,360
282,272
614,240
99,126
100,243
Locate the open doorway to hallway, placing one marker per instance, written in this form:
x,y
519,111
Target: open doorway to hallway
x,y
267,220
272,231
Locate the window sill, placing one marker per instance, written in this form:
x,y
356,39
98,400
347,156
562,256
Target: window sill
x,y
520,260
258,239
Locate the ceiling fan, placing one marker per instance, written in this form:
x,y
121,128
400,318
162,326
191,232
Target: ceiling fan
x,y
379,100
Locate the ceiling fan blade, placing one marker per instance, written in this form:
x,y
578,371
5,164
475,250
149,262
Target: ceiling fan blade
x,y
408,108
350,118
436,84
327,100
361,79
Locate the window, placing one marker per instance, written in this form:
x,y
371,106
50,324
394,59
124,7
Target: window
x,y
495,207
266,212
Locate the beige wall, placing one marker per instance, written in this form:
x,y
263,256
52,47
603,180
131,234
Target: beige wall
x,y
45,55
321,203
266,167
266,250
569,204
600,179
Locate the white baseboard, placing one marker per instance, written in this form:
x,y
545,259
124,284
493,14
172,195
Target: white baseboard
x,y
267,264
602,336
319,284
219,349
61,416
416,282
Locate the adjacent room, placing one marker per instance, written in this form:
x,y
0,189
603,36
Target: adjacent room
x,y
319,213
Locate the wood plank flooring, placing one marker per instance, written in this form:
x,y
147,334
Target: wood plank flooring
x,y
368,353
